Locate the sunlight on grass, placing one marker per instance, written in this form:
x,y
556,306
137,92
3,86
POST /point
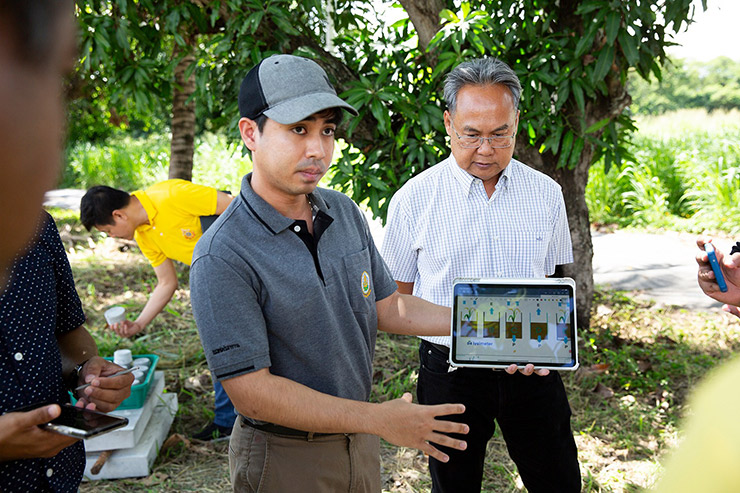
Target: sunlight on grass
x,y
688,122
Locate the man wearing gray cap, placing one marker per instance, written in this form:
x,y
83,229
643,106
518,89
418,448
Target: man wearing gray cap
x,y
288,292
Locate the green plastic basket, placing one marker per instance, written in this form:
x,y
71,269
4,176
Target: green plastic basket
x,y
140,391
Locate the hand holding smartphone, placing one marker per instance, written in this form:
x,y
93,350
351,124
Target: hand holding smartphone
x,y
83,423
78,422
712,256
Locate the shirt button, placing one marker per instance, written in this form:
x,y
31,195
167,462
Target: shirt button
x,y
297,229
49,472
18,356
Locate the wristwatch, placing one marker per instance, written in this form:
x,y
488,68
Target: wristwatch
x,y
74,376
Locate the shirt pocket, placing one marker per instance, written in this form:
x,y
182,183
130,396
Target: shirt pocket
x,y
358,274
527,251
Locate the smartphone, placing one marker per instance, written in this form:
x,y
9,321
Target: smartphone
x,y
77,422
709,248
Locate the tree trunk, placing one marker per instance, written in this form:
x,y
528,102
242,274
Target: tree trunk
x,y
183,120
424,15
573,182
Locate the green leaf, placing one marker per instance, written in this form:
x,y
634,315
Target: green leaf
x,y
590,6
448,15
172,311
126,74
121,39
565,149
629,47
598,125
546,78
578,95
101,40
553,141
583,44
456,41
424,121
141,100
603,63
575,153
465,9
379,113
377,183
613,21
563,93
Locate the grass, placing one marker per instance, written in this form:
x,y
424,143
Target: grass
x,y
685,177
639,364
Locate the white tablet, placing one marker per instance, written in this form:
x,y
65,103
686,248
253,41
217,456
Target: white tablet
x,y
497,322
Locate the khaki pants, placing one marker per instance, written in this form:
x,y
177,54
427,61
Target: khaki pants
x,y
263,462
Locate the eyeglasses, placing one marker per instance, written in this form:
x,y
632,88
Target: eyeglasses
x,y
472,142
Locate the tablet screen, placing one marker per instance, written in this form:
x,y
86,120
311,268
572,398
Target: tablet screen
x,y
497,322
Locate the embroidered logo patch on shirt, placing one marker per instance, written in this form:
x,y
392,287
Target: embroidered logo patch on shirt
x,y
365,284
187,234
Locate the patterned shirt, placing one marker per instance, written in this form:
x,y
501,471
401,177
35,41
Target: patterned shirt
x,y
442,225
39,304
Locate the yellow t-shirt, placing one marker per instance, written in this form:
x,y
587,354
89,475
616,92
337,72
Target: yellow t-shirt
x,y
174,208
707,459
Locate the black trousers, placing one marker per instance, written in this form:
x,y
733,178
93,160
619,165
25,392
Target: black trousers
x,y
532,412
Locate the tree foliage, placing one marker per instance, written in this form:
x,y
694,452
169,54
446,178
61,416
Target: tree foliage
x,y
712,85
573,57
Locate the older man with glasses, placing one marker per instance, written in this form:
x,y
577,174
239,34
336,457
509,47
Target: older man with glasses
x,y
481,213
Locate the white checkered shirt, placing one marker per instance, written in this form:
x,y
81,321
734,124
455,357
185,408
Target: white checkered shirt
x,y
442,225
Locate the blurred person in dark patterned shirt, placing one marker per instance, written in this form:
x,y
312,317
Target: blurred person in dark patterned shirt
x,y
45,350
37,47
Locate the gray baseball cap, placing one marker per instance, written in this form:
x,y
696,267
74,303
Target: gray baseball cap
x,y
287,89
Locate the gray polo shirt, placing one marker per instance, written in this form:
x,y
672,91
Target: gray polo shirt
x,y
265,293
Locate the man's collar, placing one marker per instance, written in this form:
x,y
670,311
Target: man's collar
x,y
267,214
149,207
466,180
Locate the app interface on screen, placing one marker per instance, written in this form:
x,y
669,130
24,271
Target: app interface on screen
x,y
524,324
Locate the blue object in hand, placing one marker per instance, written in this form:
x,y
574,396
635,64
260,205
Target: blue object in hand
x,y
709,248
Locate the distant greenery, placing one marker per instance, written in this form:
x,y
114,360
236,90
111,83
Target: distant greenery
x,y
121,162
713,85
685,175
133,163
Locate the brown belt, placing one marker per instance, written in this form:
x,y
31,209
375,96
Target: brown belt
x,y
284,430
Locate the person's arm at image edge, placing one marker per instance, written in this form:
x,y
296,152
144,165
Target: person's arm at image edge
x,y
267,397
730,266
161,295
